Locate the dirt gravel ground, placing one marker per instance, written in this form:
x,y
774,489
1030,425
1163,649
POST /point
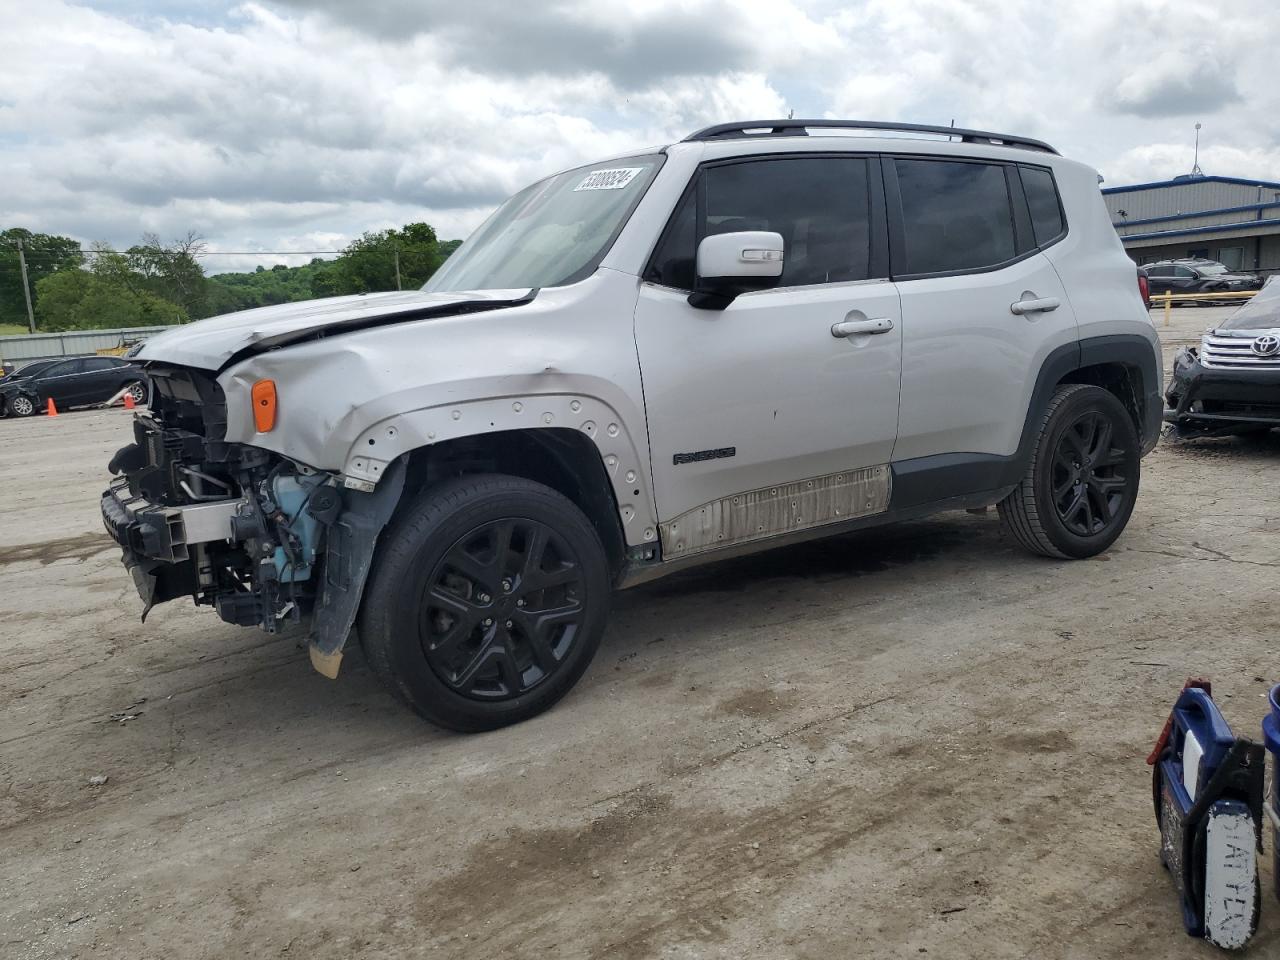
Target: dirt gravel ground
x,y
914,741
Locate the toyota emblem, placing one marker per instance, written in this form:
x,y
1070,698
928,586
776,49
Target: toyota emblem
x,y
1266,346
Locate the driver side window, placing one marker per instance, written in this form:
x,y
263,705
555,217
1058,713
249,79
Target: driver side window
x,y
820,206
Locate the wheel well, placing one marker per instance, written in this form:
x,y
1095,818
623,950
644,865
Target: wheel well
x,y
1121,379
565,460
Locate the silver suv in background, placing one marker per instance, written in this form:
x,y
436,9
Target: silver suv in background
x,y
768,332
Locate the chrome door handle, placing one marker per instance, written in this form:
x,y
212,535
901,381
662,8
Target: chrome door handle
x,y
851,328
1041,305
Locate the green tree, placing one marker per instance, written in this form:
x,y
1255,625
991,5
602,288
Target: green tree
x,y
369,263
170,272
228,292
46,254
83,300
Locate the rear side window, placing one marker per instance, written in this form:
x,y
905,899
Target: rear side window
x,y
820,206
955,216
1042,199
99,363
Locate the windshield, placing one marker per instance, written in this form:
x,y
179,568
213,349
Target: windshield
x,y
1260,313
552,233
1211,269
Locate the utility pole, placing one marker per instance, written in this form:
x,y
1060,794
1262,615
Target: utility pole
x,y
26,288
397,253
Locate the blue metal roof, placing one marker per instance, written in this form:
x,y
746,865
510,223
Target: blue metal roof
x,y
1187,181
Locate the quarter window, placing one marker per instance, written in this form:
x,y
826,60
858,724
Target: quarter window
x,y
955,216
1042,200
820,206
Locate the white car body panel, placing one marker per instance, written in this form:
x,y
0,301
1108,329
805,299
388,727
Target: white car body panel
x,y
766,377
969,362
955,375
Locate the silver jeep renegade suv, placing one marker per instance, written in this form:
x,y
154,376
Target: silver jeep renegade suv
x,y
768,332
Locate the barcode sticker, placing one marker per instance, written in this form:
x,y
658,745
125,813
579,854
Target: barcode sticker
x,y
613,179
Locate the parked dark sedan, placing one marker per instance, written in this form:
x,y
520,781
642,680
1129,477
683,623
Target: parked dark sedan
x,y
1194,275
70,382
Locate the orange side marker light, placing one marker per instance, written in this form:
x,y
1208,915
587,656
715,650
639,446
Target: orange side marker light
x,y
263,396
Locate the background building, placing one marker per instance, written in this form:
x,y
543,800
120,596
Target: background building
x,y
1234,221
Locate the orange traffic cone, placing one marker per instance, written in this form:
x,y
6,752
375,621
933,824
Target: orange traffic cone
x,y
50,409
128,401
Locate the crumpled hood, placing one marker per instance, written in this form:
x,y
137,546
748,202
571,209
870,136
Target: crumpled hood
x,y
210,344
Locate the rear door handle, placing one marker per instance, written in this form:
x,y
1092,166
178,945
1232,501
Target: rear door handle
x,y
1040,305
851,328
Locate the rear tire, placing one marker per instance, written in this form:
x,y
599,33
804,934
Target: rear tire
x,y
138,390
1080,487
487,601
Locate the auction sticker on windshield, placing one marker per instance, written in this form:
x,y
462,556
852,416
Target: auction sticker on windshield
x,y
614,179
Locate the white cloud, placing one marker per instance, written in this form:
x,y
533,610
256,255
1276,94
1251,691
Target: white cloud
x,y
299,124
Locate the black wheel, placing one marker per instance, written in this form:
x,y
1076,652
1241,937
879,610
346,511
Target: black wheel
x,y
137,390
22,406
486,603
1080,487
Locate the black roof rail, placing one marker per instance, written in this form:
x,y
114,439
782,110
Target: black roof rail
x,y
798,128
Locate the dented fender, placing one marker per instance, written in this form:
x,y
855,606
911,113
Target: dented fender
x,y
354,402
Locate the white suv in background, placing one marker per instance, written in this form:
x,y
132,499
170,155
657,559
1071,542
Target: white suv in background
x,y
768,332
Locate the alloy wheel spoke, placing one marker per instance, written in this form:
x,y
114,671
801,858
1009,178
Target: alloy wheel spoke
x,y
474,569
535,551
564,574
539,627
465,678
501,546
1099,503
1110,485
1111,457
1101,445
1076,440
508,670
1074,507
465,618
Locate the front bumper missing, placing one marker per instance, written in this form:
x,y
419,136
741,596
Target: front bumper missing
x,y
164,533
156,540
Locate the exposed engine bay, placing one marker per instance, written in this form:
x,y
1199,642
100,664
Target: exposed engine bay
x,y
264,540
230,525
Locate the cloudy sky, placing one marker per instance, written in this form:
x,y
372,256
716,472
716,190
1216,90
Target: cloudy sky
x,y
299,124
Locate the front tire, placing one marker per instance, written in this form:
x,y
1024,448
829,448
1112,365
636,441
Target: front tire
x,y
21,406
487,601
1080,487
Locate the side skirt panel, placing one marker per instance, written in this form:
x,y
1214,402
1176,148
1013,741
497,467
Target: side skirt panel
x,y
772,511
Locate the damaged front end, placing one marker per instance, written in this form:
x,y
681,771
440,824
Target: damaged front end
x,y
1231,383
264,540
1220,398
